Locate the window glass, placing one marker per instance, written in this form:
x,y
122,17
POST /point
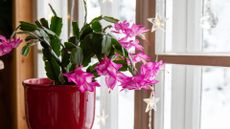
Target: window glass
x,y
125,99
195,27
168,25
216,19
215,106
195,97
123,112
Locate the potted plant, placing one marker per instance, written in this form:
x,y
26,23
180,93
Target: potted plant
x,y
66,98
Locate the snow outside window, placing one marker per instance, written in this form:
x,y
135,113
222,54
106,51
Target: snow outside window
x,y
193,97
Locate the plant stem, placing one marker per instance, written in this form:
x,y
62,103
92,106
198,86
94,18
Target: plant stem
x,y
13,34
133,69
86,13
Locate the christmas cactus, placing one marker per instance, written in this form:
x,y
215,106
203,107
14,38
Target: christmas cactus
x,y
116,47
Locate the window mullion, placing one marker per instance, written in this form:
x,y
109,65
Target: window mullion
x,y
179,31
160,40
109,101
160,93
194,30
178,97
193,97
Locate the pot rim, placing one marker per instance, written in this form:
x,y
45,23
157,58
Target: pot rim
x,y
46,83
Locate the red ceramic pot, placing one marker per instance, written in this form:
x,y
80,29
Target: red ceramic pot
x,y
57,107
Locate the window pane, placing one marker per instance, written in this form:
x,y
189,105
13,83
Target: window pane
x,y
122,113
126,110
167,96
168,26
195,97
196,26
215,107
217,18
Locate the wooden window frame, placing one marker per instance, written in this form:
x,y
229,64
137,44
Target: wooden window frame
x,y
146,9
24,67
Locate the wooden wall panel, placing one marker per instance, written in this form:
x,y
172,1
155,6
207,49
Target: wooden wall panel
x,y
23,67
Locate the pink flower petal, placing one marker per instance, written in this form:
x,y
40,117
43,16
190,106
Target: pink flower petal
x,y
6,46
140,57
83,80
143,80
109,69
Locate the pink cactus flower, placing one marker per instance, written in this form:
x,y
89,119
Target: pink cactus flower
x,y
137,82
140,57
144,80
110,69
151,69
83,80
137,30
121,27
6,46
128,34
129,30
128,44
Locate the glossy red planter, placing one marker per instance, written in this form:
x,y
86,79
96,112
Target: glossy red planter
x,y
57,107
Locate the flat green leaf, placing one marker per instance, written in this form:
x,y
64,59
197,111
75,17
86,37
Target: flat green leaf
x,y
73,40
56,25
38,23
118,48
37,32
85,31
76,56
44,35
70,67
51,66
48,31
106,44
30,37
123,63
110,19
25,26
96,26
96,45
92,45
49,51
25,50
69,45
61,78
52,9
86,46
55,45
65,56
44,22
76,30
96,19
92,69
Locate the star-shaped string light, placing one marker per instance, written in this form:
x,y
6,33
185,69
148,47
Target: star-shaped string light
x,y
151,103
1,65
157,22
101,119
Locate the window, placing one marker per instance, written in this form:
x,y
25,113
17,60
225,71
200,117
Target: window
x,y
117,106
194,87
